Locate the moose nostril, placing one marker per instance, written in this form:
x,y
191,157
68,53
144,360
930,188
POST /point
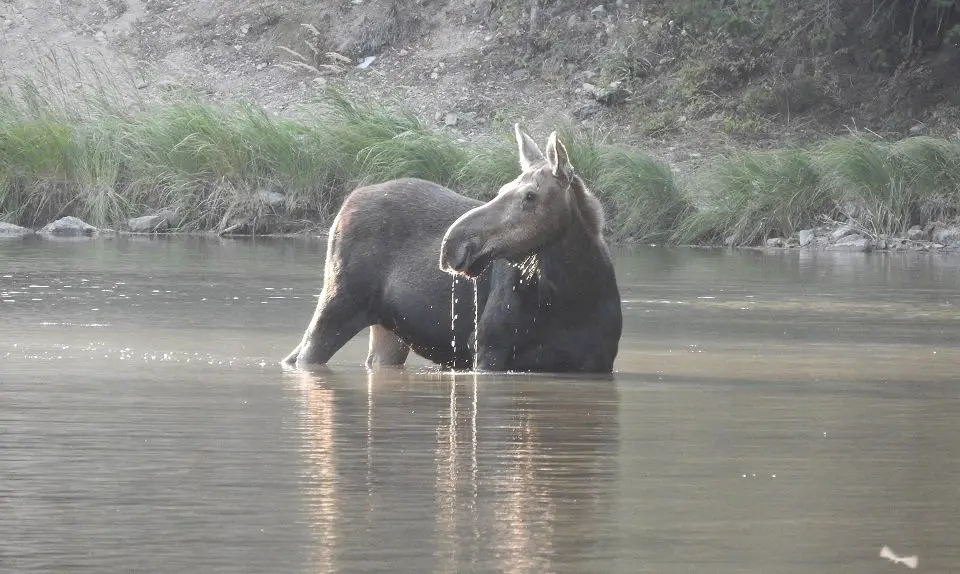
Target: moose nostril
x,y
464,257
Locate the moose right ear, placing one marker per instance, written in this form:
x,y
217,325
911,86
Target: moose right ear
x,y
530,154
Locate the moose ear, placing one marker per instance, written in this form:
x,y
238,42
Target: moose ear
x,y
530,154
557,158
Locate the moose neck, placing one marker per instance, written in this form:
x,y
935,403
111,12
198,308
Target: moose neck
x,y
570,267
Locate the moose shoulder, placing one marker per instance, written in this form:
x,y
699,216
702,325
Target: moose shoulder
x,y
546,288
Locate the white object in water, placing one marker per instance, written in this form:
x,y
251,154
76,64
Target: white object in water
x,y
908,561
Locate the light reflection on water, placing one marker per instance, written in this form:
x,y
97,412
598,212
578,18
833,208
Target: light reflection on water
x,y
771,413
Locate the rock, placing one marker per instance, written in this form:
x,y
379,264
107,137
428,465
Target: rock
x,y
142,85
172,217
148,224
917,129
840,233
590,89
806,237
947,235
365,63
586,110
775,242
68,226
450,119
612,94
854,242
10,230
271,198
915,233
7,23
598,11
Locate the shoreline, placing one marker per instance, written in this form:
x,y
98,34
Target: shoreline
x,y
829,239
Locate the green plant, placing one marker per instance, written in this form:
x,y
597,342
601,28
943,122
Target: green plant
x,y
754,196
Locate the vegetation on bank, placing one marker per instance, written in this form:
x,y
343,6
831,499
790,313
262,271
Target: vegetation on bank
x,y
767,66
105,161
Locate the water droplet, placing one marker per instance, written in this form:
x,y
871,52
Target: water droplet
x,y
476,323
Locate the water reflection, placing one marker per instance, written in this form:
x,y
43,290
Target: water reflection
x,y
144,424
519,465
319,479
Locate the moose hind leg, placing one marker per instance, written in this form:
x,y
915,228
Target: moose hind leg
x,y
335,322
386,348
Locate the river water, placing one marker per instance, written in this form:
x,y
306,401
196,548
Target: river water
x,y
785,412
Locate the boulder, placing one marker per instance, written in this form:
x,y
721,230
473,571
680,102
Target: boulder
x,y
148,224
68,226
947,235
806,237
10,230
172,217
840,233
775,242
854,242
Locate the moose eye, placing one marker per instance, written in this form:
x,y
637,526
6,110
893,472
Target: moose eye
x,y
530,196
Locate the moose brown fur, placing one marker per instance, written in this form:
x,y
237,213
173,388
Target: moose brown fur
x,y
546,287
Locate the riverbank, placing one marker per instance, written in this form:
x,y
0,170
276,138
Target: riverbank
x,y
185,164
936,238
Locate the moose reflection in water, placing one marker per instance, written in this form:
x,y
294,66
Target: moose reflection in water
x,y
504,474
546,292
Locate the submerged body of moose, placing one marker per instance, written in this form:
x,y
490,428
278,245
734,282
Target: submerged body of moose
x,y
546,292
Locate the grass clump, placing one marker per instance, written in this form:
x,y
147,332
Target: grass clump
x,y
879,187
754,196
642,198
105,160
887,187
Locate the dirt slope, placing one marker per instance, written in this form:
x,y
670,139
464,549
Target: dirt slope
x,y
465,65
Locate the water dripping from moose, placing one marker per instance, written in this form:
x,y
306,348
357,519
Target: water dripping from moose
x,y
472,341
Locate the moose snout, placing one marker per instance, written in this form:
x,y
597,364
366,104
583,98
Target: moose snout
x,y
455,255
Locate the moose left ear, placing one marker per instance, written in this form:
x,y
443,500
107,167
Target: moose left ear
x,y
557,158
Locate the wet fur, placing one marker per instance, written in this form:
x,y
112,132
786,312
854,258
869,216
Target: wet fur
x,y
381,269
552,307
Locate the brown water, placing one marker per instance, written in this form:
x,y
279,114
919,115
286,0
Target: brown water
x,y
770,413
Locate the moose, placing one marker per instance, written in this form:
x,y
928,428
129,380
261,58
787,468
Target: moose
x,y
404,257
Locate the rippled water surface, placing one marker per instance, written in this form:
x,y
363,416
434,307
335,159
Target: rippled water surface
x,y
789,412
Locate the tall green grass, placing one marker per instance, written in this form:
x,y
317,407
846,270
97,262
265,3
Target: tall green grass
x,y
105,160
751,197
104,156
880,187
